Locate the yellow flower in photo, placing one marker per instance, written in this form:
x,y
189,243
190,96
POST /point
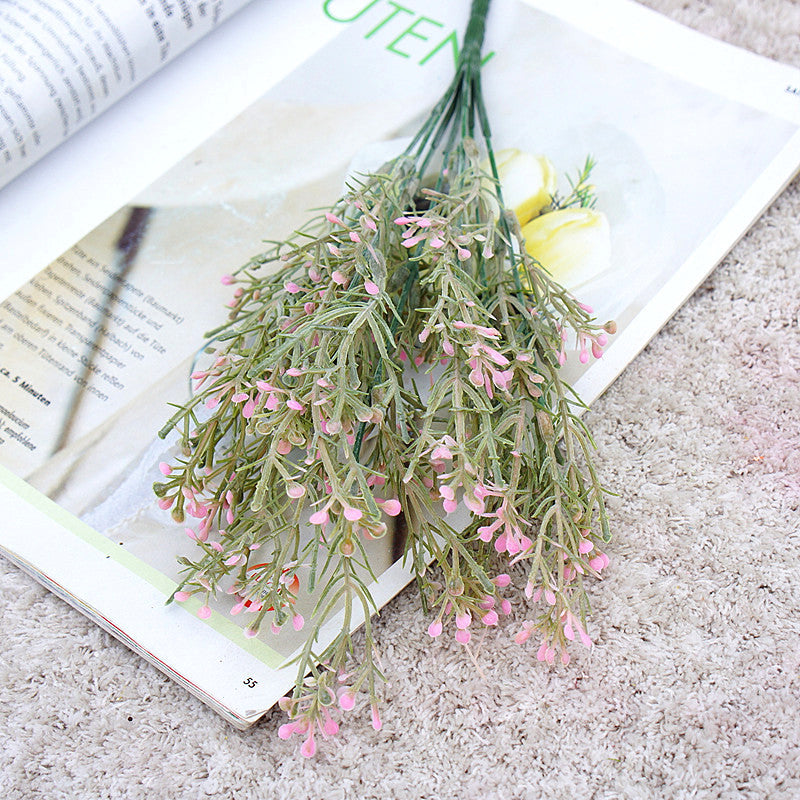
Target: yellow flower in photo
x,y
572,244
527,182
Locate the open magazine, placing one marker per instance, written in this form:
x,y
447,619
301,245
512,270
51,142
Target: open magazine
x,y
63,63
692,140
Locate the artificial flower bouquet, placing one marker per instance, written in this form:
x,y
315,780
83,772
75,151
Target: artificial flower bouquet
x,y
394,368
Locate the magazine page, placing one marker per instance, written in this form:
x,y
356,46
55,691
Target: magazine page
x,y
97,344
150,129
63,63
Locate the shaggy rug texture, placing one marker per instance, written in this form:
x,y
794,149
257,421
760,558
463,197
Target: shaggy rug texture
x,y
693,688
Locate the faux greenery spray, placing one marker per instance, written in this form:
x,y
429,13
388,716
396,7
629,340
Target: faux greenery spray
x,y
398,357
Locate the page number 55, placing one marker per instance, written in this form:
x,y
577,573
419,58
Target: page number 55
x,y
250,683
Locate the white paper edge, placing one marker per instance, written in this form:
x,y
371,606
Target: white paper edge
x,y
682,284
732,72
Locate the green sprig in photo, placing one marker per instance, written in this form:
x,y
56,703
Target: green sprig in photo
x,y
396,365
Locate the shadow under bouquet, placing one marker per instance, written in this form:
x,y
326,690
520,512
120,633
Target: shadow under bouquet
x,y
394,369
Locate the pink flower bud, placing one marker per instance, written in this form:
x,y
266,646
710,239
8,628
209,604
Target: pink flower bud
x,y
309,747
442,453
295,490
447,492
541,653
435,628
319,517
249,408
286,731
330,727
286,704
485,533
475,506
597,563
392,507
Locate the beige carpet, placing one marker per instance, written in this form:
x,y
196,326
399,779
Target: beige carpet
x,y
693,689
